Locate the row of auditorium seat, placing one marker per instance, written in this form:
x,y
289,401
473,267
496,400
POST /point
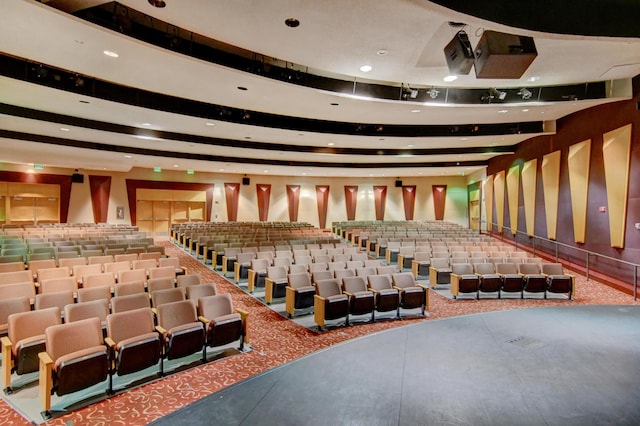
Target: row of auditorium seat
x,y
186,318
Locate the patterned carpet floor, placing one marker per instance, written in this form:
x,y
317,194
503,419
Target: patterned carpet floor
x,y
275,340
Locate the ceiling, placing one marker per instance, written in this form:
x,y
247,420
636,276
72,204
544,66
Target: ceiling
x,y
402,41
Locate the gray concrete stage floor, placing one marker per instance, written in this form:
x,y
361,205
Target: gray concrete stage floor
x,y
575,365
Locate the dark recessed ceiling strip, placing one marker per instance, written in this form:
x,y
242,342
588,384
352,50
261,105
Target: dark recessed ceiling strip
x,y
205,157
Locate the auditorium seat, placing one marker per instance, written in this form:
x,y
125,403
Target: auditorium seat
x,y
361,299
511,279
257,273
133,287
130,302
133,342
188,280
387,297
557,280
464,280
182,333
275,283
490,281
329,302
223,324
75,359
534,280
24,341
412,294
299,293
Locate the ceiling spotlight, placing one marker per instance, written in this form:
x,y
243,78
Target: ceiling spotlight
x,y
433,93
525,93
157,3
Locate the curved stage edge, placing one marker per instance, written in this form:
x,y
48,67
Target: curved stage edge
x,y
553,366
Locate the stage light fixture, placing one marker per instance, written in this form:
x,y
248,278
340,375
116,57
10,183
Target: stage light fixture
x,y
525,94
157,3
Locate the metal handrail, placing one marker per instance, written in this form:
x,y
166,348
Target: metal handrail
x,y
557,244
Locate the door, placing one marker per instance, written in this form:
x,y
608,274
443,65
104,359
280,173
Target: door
x,y
144,215
161,217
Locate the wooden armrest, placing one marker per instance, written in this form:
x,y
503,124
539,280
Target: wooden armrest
x,y
203,320
161,329
45,380
5,341
454,275
422,286
110,342
45,358
347,293
155,311
373,290
243,313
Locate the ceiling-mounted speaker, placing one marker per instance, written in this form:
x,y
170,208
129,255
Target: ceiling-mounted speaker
x,y
502,55
77,178
459,54
398,184
246,181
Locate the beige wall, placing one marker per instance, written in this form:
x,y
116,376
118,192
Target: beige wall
x,y
80,209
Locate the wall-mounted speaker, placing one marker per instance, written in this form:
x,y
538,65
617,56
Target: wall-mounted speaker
x,y
246,181
77,178
398,184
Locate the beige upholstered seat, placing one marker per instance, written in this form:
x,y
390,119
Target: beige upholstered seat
x,y
223,324
329,303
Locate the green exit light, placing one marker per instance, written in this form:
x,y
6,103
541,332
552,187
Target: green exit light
x,y
157,169
191,172
38,166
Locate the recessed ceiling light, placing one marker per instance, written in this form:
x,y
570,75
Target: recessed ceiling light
x,y
176,166
292,22
110,53
534,78
266,171
502,111
209,124
146,124
221,170
331,144
464,139
410,145
64,129
450,78
382,52
366,68
415,110
128,156
525,110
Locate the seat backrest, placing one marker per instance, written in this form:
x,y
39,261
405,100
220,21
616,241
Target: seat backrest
x,y
131,257
65,339
552,269
339,273
302,260
94,293
354,284
156,284
296,269
321,275
80,271
299,280
70,262
462,268
133,275
403,280
421,256
101,260
160,297
336,265
144,264
32,323
83,310
529,268
35,265
117,267
169,261
163,272
484,268
130,302
390,269
277,272
12,266
177,313
231,252
50,273
506,268
364,272
379,282
188,280
197,291
16,277
282,261
53,285
212,307
105,279
132,287
518,255
58,299
260,265
328,287
317,266
439,262
150,255
128,324
10,291
10,306
245,257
